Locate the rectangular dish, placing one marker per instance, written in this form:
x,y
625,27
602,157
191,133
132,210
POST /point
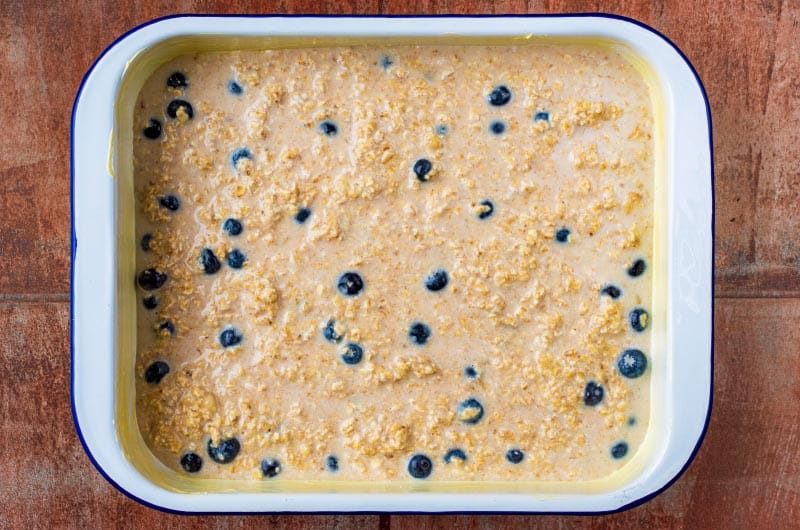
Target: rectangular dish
x,y
104,298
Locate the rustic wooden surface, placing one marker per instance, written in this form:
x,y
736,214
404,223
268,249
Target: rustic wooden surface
x,y
747,473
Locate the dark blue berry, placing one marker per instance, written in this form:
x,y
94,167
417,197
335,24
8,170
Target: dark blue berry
x,y
386,62
236,259
209,261
632,363
437,280
225,452
153,129
593,394
619,450
235,88
456,453
639,318
156,372
191,462
611,290
302,215
352,354
177,80
328,128
420,466
419,333
239,154
470,411
230,336
175,104
167,325
637,268
497,127
541,116
422,168
441,130
631,421
488,211
500,96
170,202
146,240
151,279
232,226
332,463
562,235
270,467
150,302
470,372
350,283
515,456
329,332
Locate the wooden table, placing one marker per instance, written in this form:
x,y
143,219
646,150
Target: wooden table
x,y
747,473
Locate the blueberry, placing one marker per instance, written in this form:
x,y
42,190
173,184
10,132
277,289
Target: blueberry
x,y
497,127
562,235
235,88
500,96
230,336
191,462
236,259
352,354
239,154
386,62
420,466
437,280
175,104
637,268
350,283
639,318
541,116
145,243
167,325
332,463
611,290
232,226
619,450
470,411
151,279
177,80
422,168
470,372
441,130
515,456
170,202
209,261
225,452
593,394
487,210
329,332
419,333
631,421
302,215
456,453
270,467
632,363
153,129
328,128
150,302
156,372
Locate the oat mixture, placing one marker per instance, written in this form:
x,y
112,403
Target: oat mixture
x,y
407,263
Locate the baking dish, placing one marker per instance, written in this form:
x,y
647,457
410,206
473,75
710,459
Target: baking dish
x,y
102,296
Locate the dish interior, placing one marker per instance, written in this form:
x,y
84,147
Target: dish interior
x,y
584,156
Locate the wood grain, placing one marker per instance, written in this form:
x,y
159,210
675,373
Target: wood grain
x,y
747,474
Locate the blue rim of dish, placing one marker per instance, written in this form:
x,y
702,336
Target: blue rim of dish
x,y
74,246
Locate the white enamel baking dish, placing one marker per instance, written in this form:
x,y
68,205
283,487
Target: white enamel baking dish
x,y
103,316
